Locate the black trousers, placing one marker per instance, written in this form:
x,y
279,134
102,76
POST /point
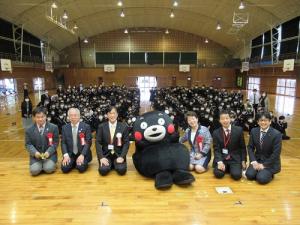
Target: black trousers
x,y
263,176
121,168
82,168
235,170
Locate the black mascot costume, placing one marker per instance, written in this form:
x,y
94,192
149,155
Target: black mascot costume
x,y
158,154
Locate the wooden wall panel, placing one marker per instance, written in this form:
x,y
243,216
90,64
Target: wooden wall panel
x,y
269,76
26,75
128,76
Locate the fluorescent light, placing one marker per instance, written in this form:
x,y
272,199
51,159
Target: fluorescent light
x,y
65,15
218,26
120,3
122,13
172,15
242,5
125,31
54,6
175,3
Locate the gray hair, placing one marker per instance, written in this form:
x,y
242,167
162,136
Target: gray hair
x,y
74,109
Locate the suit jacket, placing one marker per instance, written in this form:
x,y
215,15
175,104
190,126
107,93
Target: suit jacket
x,y
67,140
103,140
236,146
34,142
269,153
202,131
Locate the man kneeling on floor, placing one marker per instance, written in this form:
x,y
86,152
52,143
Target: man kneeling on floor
x,y
76,141
41,141
264,150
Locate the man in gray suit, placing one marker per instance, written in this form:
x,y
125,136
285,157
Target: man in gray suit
x,y
41,141
264,150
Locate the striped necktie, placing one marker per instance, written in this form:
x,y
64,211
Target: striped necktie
x,y
262,137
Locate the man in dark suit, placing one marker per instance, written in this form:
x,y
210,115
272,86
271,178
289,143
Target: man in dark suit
x,y
76,143
41,141
229,149
112,144
264,150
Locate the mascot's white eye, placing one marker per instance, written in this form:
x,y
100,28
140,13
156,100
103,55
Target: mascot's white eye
x,y
144,125
161,121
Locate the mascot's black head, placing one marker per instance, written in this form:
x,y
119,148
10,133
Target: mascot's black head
x,y
153,127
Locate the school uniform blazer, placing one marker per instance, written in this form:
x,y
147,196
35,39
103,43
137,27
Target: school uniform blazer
x,y
236,146
34,142
269,153
103,140
67,140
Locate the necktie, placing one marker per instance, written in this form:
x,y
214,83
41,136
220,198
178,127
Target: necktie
x,y
254,100
41,130
112,132
227,132
74,134
262,136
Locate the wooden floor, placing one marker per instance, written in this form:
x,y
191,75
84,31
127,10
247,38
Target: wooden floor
x,y
132,199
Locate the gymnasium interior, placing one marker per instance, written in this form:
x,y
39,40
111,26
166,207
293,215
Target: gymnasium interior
x,y
140,56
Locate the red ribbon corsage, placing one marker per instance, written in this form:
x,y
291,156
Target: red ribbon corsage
x,y
50,138
199,140
82,136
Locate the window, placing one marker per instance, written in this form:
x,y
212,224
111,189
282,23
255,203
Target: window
x,y
286,87
253,83
145,84
284,105
38,84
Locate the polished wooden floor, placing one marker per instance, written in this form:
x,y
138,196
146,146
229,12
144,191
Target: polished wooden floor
x,y
132,199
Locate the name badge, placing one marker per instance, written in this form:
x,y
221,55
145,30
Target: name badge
x,y
111,147
225,151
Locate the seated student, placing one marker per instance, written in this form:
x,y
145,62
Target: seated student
x,y
112,144
229,149
76,141
264,150
281,126
41,141
199,139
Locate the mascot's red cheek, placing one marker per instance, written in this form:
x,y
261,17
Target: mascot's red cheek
x,y
171,129
138,136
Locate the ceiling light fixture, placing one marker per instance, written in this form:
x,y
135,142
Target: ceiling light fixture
x,y
167,31
65,15
122,13
206,40
54,6
120,3
172,15
125,31
175,3
75,26
218,26
242,5
85,40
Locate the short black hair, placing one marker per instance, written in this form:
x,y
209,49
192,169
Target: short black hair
x,y
264,114
224,112
39,110
281,117
190,113
111,108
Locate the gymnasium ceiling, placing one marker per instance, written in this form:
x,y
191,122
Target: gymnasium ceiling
x,y
199,17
